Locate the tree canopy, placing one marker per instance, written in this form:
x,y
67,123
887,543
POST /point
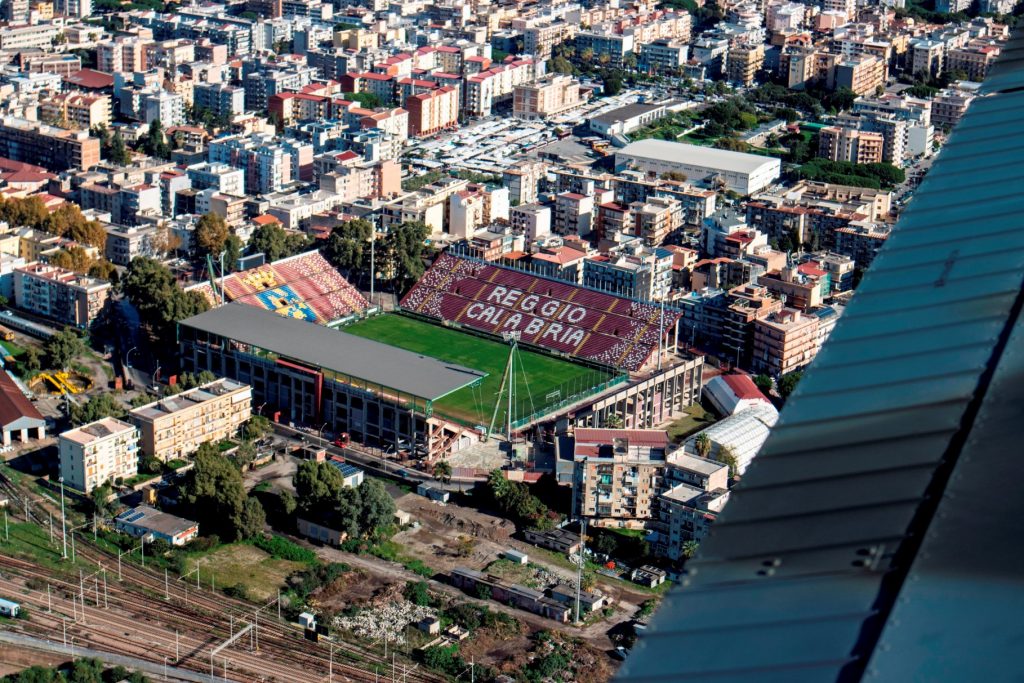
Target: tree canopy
x,y
152,290
64,347
100,405
514,499
348,246
277,243
211,235
359,512
214,493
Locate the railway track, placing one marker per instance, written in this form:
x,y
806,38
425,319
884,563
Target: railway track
x,y
143,602
156,630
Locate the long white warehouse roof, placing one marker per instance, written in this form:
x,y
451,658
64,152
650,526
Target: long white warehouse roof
x,y
708,157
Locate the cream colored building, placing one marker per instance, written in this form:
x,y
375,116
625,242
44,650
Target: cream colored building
x,y
174,427
101,451
785,341
743,63
549,96
617,475
77,110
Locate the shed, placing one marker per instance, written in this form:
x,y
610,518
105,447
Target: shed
x,y
402,517
17,414
516,556
307,620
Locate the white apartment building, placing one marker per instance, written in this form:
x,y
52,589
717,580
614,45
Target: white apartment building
x,y
101,451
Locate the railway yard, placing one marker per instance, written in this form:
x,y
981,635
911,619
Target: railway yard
x,y
170,622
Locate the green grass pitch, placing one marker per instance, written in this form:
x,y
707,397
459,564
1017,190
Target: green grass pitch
x,y
547,379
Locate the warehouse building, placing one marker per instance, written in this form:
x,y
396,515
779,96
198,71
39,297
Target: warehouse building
x,y
741,173
313,375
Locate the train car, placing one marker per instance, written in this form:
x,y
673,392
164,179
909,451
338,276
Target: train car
x,y
6,333
9,609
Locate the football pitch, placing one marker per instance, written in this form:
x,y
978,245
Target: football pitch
x,y
541,381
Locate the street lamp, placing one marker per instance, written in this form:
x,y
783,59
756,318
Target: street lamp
x,y
320,434
128,356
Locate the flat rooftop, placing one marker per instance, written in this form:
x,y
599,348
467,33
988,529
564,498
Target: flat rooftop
x,y
150,518
708,157
366,359
94,431
186,399
625,113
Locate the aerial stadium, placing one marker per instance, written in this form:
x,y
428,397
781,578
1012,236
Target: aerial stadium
x,y
475,351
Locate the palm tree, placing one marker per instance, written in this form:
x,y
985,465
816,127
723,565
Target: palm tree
x,y
443,471
703,445
690,548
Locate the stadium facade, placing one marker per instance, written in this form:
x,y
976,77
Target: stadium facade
x,y
270,337
311,375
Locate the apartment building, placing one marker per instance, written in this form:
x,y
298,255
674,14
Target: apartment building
x,y
174,427
433,111
974,60
221,99
949,106
541,38
784,342
549,96
532,220
617,475
574,213
695,490
59,294
76,110
39,36
655,219
743,63
476,207
55,149
663,56
838,143
99,452
523,181
863,75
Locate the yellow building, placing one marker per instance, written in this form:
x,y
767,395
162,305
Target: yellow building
x,y
175,427
744,62
549,96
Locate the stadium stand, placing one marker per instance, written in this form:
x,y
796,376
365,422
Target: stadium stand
x,y
555,315
303,286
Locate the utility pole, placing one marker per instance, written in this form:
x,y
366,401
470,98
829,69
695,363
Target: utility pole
x,y
63,520
373,269
177,655
579,569
167,588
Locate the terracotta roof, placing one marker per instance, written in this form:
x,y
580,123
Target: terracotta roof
x,y
90,78
13,404
265,220
743,386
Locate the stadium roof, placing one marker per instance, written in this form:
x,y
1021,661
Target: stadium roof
x,y
398,369
707,157
877,535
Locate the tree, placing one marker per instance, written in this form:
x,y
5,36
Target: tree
x,y
317,485
233,248
101,499
288,503
119,153
727,456
690,548
443,471
154,143
31,360
64,347
402,252
28,212
151,288
417,592
788,382
347,248
100,405
72,258
214,492
378,508
465,545
68,221
764,383
103,270
703,445
257,427
211,235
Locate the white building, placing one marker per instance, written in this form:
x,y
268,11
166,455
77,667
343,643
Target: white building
x,y
98,452
168,107
740,172
730,394
743,433
533,220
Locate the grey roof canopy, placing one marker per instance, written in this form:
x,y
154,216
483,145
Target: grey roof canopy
x,y
878,536
366,359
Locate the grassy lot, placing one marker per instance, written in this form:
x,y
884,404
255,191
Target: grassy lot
x,y
12,349
32,542
513,572
696,419
243,564
543,375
